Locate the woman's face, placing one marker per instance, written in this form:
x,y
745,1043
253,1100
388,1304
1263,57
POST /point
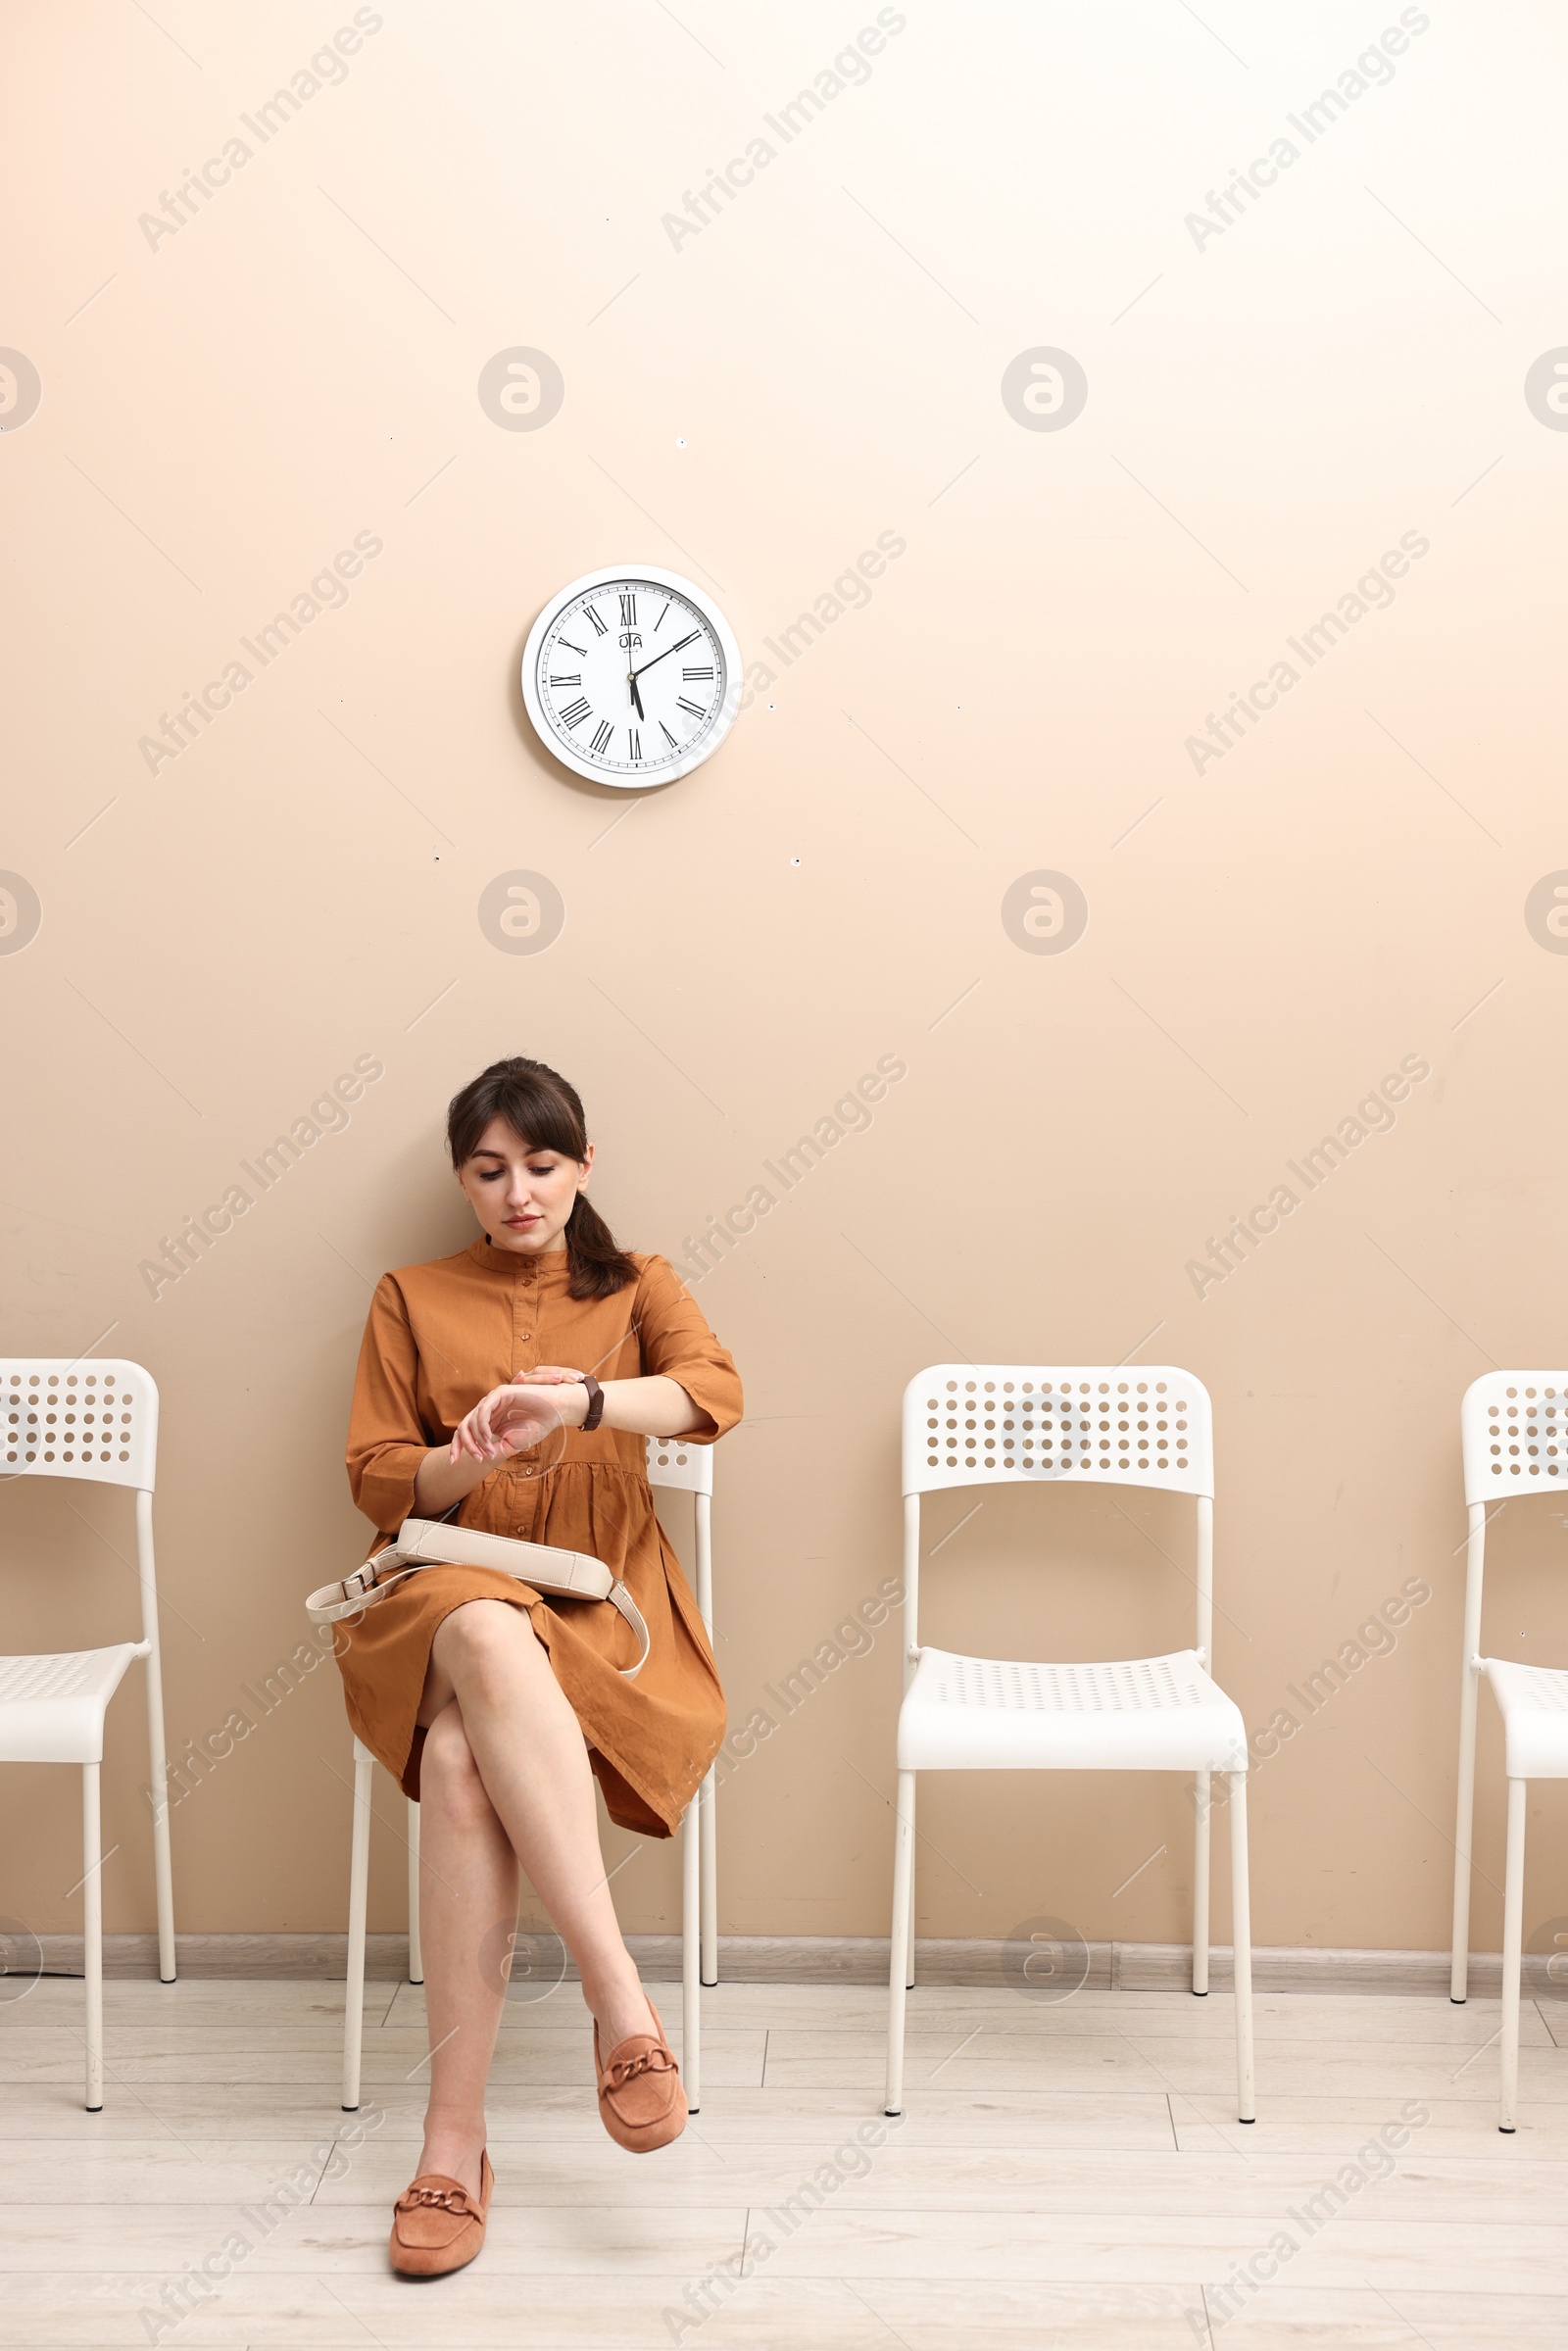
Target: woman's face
x,y
521,1197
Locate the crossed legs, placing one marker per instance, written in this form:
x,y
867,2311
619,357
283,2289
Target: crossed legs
x,y
504,1779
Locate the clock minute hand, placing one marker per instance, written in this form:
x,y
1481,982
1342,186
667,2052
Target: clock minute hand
x,y
680,642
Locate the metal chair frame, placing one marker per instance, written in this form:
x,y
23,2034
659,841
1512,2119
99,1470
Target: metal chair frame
x,y
1513,1432
968,1424
93,1419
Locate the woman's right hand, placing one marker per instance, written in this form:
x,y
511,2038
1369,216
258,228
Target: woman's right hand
x,y
507,1421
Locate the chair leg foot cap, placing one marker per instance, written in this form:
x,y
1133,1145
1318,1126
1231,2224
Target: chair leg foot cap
x,y
1199,1995
1246,2118
1507,2129
1455,2001
351,2110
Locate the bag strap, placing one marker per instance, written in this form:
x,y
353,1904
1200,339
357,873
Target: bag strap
x,y
355,1593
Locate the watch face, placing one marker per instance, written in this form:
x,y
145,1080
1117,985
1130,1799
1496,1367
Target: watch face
x,y
631,678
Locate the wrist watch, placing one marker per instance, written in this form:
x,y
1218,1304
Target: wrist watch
x,y
596,1403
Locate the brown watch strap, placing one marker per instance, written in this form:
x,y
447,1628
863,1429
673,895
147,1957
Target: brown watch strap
x,y
596,1402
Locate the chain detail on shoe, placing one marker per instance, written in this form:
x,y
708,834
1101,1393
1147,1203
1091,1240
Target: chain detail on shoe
x,y
621,2069
448,2199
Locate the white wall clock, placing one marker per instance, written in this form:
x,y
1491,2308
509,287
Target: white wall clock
x,y
631,677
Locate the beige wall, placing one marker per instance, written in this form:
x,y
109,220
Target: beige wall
x,y
1270,408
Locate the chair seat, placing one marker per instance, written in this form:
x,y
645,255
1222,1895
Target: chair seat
x,y
1533,1700
1159,1714
52,1708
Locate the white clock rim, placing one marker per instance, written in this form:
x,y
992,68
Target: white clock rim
x,y
614,576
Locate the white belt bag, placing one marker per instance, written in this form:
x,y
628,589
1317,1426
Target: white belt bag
x,y
426,1543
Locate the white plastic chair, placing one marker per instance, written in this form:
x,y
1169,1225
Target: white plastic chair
x,y
96,1420
671,1463
1000,1424
1513,1430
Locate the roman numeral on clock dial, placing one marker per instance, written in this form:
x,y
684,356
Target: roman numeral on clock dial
x,y
628,611
600,627
575,712
602,734
690,675
634,743
574,679
696,709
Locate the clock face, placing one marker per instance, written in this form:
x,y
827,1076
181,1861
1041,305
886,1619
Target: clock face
x,y
631,677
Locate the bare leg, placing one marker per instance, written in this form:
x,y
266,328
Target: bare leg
x,y
489,1674
467,1887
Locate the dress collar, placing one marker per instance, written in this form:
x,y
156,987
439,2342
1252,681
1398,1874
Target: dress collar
x,y
510,1264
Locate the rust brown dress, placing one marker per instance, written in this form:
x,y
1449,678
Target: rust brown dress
x,y
439,1337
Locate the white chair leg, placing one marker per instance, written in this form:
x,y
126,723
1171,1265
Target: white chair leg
x,y
899,1939
1463,1830
1241,1943
1513,1915
162,1864
707,1795
415,1956
92,1933
164,1878
359,1892
690,1940
1200,1843
157,1754
908,1939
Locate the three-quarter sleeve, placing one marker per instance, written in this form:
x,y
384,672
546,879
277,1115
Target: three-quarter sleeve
x,y
386,1438
677,1345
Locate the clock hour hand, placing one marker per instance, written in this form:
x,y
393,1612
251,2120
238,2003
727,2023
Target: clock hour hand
x,y
689,639
636,698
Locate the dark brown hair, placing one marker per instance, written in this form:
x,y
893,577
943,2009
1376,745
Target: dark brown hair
x,y
545,1112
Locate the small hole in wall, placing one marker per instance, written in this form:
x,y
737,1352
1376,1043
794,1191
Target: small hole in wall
x,y
680,440
794,861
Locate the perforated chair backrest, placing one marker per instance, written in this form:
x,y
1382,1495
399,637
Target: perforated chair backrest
x,y
998,1424
1513,1428
78,1417
674,1461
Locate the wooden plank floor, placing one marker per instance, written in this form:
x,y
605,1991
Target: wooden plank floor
x,y
1065,2175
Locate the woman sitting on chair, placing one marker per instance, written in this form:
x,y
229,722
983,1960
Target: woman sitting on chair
x,y
516,1383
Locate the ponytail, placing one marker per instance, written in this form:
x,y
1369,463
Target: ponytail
x,y
599,1268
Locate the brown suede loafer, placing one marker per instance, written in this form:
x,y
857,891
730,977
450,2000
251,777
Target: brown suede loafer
x,y
640,2102
436,2224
